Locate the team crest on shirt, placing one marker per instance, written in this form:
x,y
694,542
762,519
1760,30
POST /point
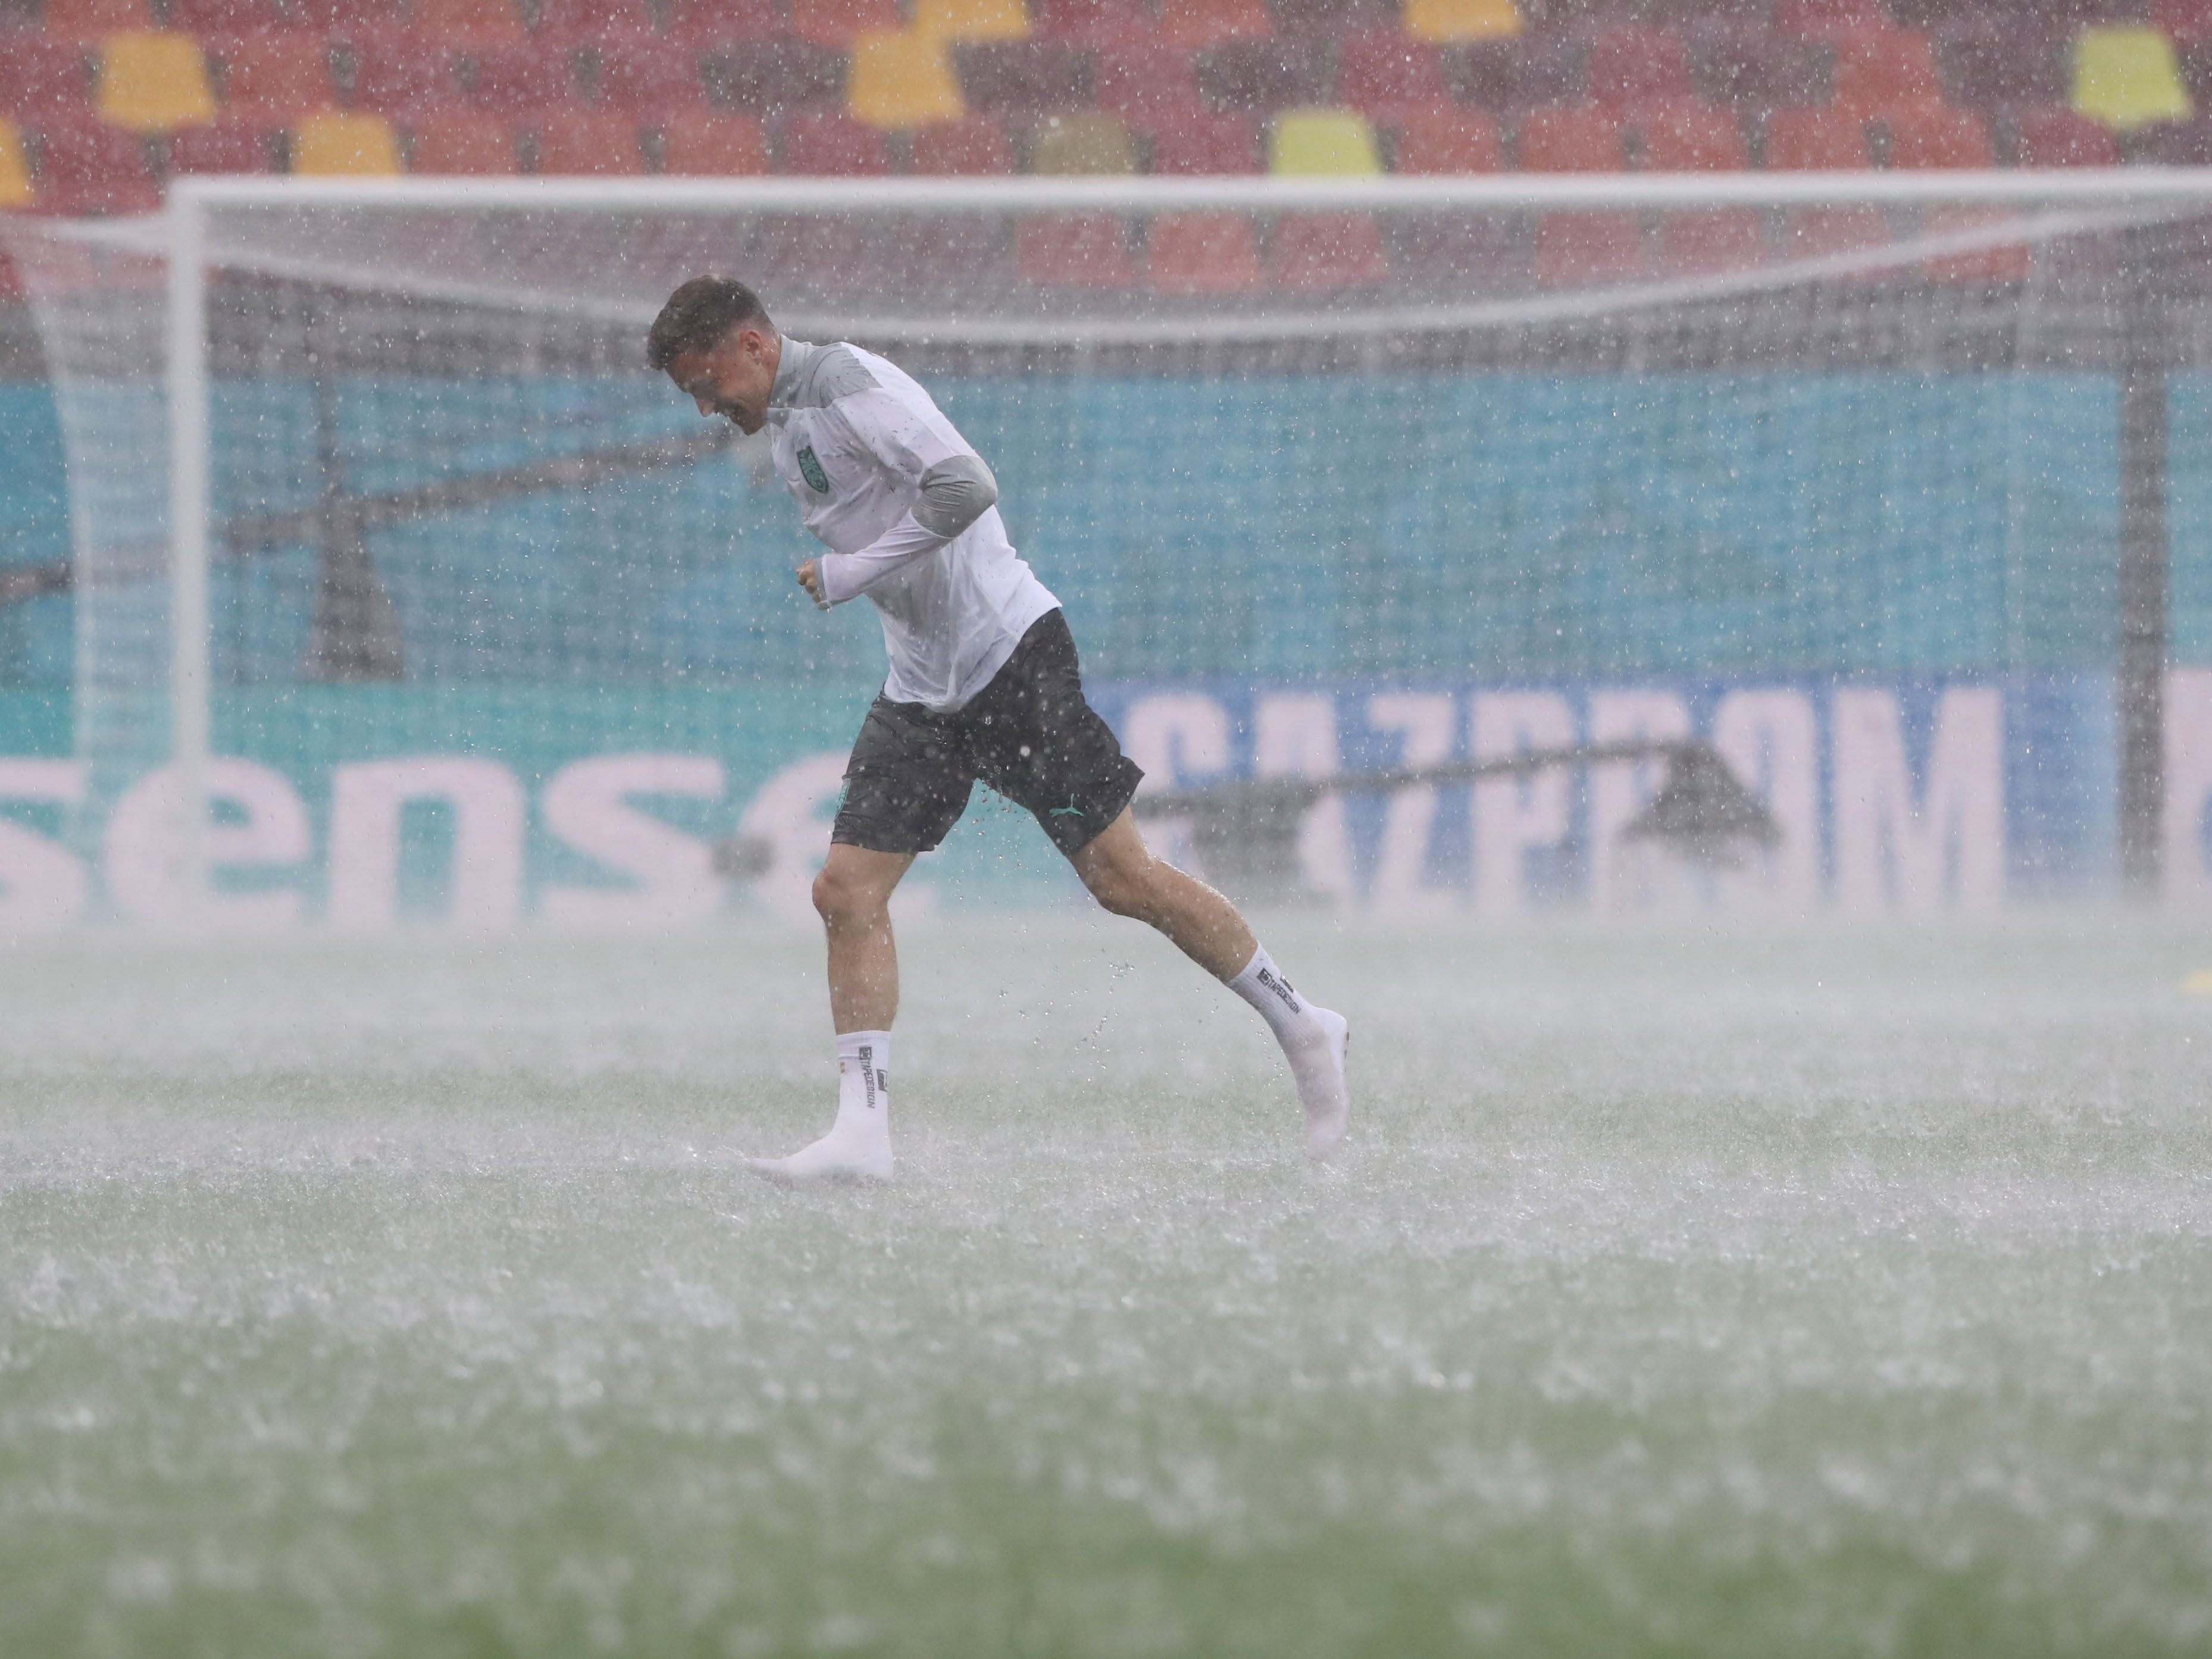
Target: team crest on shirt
x,y
810,468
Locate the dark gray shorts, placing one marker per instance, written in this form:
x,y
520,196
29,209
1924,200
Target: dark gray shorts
x,y
1029,734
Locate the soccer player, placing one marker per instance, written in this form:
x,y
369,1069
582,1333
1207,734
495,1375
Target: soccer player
x,y
983,684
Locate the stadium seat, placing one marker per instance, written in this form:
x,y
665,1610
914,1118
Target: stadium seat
x,y
462,143
1885,69
2057,137
1137,82
2128,78
1091,22
90,20
1569,139
1710,242
1584,249
1386,75
1325,252
231,144
901,80
709,22
350,21
1819,139
92,167
1826,18
1266,74
17,190
588,144
41,78
1207,144
1322,143
278,75
649,78
1448,141
830,144
1203,253
1080,142
1751,68
467,22
398,76
1635,63
1204,23
1022,76
1507,75
705,143
2009,62
1933,137
1083,250
151,82
1333,20
971,19
838,23
575,22
1459,20
1684,136
974,146
345,141
772,75
520,77
230,17
2182,20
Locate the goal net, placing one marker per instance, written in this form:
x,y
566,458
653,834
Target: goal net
x,y
402,588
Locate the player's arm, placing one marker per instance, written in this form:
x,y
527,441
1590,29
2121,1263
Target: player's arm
x,y
952,489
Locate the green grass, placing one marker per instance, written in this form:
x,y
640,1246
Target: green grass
x,y
1814,1291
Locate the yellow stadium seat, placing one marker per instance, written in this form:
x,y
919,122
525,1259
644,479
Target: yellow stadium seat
x,y
1329,142
345,143
1461,19
16,190
971,19
151,82
1082,142
2127,77
901,80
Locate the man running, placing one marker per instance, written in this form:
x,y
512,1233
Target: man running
x,y
983,684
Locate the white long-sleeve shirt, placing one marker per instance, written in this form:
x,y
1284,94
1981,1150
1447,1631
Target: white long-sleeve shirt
x,y
878,472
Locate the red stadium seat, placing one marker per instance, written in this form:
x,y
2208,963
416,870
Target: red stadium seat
x,y
2062,138
279,75
702,22
1266,75
703,143
471,22
1459,253
1569,139
1448,142
1384,76
578,21
1204,143
835,23
89,19
216,17
89,166
1687,138
1934,137
521,77
975,146
1023,76
1086,250
831,144
1203,253
1333,20
1322,252
1747,67
400,75
41,79
1710,242
1204,23
1885,69
1091,22
1635,63
1141,82
1817,140
461,143
231,144
588,144
649,78
1580,250
1825,18
351,21
2007,62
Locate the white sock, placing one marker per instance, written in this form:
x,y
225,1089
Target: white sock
x,y
858,1144
1313,1041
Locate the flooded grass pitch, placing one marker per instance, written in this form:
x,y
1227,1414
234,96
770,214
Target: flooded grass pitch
x,y
1812,1290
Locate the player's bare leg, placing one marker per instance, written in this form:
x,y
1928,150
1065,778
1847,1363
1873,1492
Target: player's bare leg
x,y
853,895
1124,875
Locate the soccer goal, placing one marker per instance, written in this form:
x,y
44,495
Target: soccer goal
x,y
402,588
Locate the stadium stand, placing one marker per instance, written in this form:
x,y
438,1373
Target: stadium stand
x,y
1082,142
704,144
903,79
709,22
577,22
1635,63
17,190
1337,141
838,23
465,22
1266,74
1327,253
830,143
279,76
91,20
1200,142
1204,23
514,78
1083,250
153,82
41,76
1203,253
650,78
461,143
1461,19
1445,141
1386,75
207,18
1091,22
233,144
345,141
2127,77
970,146
1023,76
89,166
971,19
586,142
401,75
